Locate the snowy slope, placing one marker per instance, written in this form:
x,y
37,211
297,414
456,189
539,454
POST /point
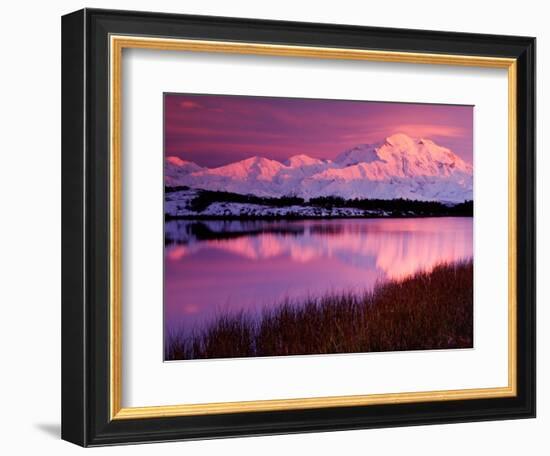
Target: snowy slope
x,y
175,170
178,204
398,167
303,161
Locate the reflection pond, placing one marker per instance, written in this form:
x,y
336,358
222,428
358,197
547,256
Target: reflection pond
x,y
216,266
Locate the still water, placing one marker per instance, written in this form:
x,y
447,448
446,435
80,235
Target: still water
x,y
216,266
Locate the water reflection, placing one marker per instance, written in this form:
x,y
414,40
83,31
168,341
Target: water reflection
x,y
220,265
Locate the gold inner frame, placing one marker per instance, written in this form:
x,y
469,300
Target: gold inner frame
x,y
117,44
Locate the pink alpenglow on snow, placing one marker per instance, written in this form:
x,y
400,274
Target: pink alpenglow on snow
x,y
306,226
398,167
274,147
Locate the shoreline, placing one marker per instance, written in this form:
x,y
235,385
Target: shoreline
x,y
424,311
195,203
169,217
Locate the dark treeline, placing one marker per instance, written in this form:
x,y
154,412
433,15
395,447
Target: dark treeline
x,y
177,188
398,206
206,197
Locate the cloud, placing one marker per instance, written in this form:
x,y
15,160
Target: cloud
x,y
429,130
190,105
213,129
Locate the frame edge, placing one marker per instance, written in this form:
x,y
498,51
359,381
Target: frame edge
x,y
73,304
83,401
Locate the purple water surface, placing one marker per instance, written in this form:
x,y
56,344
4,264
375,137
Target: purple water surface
x,y
218,266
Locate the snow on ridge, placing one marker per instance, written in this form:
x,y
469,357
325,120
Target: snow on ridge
x,y
175,170
176,161
363,153
178,204
303,160
398,167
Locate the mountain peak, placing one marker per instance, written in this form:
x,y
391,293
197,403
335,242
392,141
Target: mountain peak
x,y
176,160
398,167
363,153
400,139
420,157
255,160
185,165
256,166
302,160
175,169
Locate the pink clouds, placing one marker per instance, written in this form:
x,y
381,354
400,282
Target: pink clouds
x,y
213,130
429,131
189,104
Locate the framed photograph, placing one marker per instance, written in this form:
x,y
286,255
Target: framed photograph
x,y
278,227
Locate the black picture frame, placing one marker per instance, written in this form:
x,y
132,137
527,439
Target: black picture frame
x,y
85,228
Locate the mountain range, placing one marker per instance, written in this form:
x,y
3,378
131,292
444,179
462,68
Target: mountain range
x,y
398,167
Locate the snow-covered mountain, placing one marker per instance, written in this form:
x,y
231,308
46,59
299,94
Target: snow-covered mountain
x,y
303,161
398,167
175,170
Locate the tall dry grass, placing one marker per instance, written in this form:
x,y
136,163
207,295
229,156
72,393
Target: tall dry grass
x,y
429,310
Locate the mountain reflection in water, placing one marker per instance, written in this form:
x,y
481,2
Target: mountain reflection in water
x,y
220,265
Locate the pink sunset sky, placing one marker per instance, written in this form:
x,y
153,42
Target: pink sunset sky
x,y
213,130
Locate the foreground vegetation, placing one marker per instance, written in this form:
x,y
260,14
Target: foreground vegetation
x,y
426,311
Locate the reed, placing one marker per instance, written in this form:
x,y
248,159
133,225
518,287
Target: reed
x,y
428,310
